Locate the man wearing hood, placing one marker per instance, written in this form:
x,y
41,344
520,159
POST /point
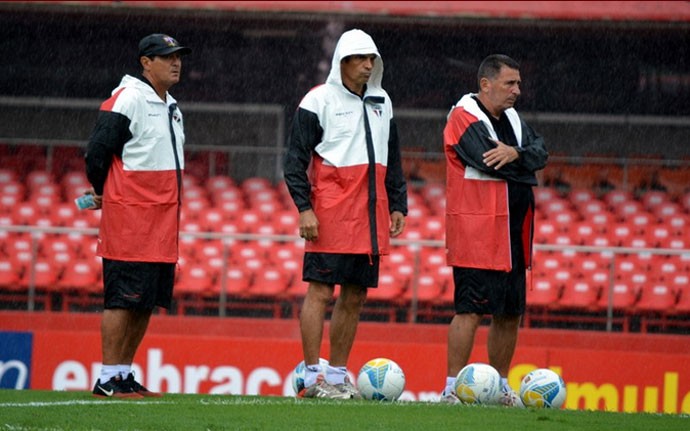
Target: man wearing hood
x,y
343,171
492,156
134,162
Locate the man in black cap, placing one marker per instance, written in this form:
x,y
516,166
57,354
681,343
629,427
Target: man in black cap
x,y
134,162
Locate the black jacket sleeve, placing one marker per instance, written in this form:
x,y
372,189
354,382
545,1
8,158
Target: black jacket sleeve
x,y
396,187
533,155
107,140
305,134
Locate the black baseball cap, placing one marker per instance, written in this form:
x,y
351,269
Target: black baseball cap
x,y
160,44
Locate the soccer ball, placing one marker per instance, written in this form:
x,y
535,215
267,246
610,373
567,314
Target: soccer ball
x,y
381,379
542,388
478,383
298,375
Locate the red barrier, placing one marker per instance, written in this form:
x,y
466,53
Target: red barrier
x,y
561,10
603,371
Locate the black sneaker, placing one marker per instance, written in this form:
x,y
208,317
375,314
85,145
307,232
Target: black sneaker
x,y
139,388
114,388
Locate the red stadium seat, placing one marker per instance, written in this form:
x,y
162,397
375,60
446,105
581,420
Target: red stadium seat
x,y
682,306
666,269
579,196
584,232
9,275
621,234
286,222
427,287
653,198
82,276
544,293
590,208
7,175
679,224
211,218
209,249
622,296
433,228
601,221
545,232
657,297
270,281
680,282
656,303
292,268
38,178
390,288
580,295
641,222
63,214
546,262
235,281
254,184
657,235
667,209
194,278
432,258
243,251
624,265
416,216
628,209
616,197
219,182
564,220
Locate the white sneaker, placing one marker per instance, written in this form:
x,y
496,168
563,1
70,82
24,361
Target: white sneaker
x,y
322,389
348,388
510,398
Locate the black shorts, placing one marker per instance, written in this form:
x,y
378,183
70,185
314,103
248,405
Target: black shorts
x,y
482,291
335,268
137,285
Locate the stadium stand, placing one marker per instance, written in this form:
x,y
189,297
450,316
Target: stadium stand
x,y
262,276
603,189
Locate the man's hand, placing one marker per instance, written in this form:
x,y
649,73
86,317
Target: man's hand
x,y
500,156
308,225
397,223
97,199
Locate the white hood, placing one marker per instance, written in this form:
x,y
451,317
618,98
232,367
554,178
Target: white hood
x,y
129,81
355,42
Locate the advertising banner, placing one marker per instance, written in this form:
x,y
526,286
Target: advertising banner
x,y
602,371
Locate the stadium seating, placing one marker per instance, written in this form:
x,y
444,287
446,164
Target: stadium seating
x,y
270,269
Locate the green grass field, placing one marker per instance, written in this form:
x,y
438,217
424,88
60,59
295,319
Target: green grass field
x,y
74,411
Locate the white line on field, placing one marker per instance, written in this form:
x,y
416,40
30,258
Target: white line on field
x,y
78,402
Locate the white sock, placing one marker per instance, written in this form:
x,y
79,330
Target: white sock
x,y
450,385
311,372
504,384
108,372
124,370
336,375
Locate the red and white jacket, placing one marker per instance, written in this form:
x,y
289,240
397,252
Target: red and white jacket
x,y
343,159
135,160
477,208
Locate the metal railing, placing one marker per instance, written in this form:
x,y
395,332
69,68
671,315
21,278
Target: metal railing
x,y
416,246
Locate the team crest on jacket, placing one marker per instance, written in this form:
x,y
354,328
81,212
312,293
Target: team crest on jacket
x,y
378,110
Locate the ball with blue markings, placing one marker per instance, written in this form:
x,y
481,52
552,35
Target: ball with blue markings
x,y
381,379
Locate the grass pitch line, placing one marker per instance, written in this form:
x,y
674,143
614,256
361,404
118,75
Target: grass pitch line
x,y
80,402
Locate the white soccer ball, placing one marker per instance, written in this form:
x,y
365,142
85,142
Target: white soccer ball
x,y
542,388
381,379
298,375
478,383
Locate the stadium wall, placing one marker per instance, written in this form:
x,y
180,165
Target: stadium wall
x,y
603,371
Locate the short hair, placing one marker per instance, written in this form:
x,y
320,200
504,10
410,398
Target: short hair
x,y
491,66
